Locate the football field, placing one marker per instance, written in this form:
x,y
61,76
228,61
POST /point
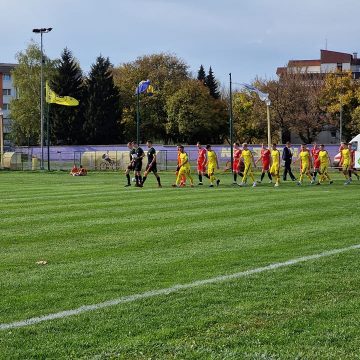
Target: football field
x,y
190,273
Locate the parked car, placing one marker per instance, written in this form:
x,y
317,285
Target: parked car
x,y
336,161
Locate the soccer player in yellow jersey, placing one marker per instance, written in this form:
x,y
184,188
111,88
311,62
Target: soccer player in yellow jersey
x,y
275,164
248,158
345,161
324,160
184,168
212,164
305,164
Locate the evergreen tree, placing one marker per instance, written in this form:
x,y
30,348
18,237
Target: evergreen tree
x,y
103,111
67,121
201,74
212,84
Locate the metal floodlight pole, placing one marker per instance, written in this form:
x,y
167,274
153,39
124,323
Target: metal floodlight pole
x,y
341,119
231,125
41,31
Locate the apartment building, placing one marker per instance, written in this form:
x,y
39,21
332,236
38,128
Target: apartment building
x,y
330,61
7,92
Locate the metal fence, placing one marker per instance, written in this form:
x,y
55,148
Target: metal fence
x,y
64,158
93,160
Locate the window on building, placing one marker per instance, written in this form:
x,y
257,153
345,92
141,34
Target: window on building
x,y
6,91
6,77
6,107
339,66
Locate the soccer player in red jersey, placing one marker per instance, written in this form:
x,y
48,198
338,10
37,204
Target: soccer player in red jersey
x,y
201,162
316,161
236,161
265,155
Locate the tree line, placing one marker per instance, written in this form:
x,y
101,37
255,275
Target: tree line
x,y
183,108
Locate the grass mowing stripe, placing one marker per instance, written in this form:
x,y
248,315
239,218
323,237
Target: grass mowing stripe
x,y
173,289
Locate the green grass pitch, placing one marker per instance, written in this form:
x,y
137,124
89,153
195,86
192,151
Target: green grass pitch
x,y
103,241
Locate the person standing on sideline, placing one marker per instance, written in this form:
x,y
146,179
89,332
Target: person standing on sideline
x,y
201,162
305,164
130,167
184,168
287,157
275,164
324,160
236,162
212,164
151,165
138,157
249,161
265,160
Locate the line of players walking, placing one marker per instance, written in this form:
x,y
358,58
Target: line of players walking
x,y
312,163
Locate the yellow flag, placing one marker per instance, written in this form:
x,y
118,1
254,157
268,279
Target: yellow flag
x,y
52,98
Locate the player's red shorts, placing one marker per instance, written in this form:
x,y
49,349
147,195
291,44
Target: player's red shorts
x,y
317,164
201,167
265,166
236,166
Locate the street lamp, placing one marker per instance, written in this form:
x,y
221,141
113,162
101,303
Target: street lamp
x,y
231,125
1,138
41,31
268,103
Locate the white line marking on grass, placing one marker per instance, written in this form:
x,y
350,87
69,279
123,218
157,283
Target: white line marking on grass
x,y
170,290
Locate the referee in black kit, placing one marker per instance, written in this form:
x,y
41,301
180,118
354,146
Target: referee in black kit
x,y
287,157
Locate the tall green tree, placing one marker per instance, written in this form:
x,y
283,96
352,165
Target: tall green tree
x,y
166,72
201,74
103,107
212,84
193,115
25,108
67,121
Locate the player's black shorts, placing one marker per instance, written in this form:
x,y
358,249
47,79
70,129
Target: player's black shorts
x,y
131,166
153,168
138,165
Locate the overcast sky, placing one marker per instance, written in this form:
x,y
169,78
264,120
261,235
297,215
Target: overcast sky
x,y
248,38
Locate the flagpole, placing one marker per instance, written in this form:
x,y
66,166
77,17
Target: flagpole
x,y
231,126
137,116
48,134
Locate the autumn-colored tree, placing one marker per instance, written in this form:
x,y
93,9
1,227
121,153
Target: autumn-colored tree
x,y
249,117
340,92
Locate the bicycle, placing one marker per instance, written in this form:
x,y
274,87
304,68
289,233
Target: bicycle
x,y
107,165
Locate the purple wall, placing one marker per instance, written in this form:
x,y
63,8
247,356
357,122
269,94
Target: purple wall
x,y
71,153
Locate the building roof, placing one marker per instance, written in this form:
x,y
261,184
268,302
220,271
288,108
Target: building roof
x,y
332,57
281,70
5,68
304,63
